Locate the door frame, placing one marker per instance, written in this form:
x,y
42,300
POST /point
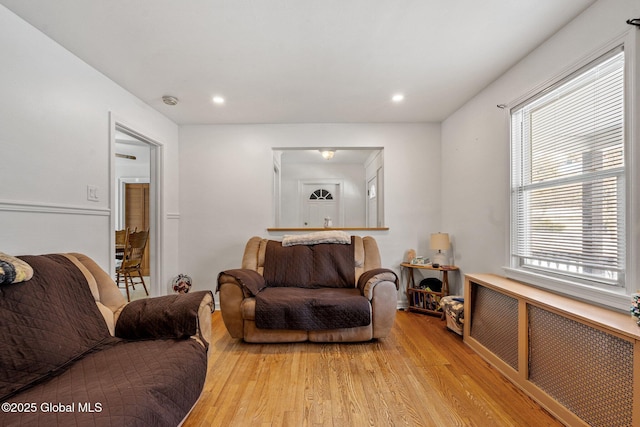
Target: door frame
x,y
277,193
372,211
156,205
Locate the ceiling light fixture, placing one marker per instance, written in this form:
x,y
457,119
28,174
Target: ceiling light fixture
x,y
398,97
218,100
328,154
170,100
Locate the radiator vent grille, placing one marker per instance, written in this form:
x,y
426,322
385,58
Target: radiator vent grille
x,y
495,323
589,371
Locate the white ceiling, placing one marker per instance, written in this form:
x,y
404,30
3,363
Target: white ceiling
x,y
301,61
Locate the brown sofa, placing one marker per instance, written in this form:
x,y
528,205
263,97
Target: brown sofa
x,y
323,292
74,352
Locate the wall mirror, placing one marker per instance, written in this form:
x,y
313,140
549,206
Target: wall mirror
x,y
321,187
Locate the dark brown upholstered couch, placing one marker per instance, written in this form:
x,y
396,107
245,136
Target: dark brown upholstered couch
x,y
310,284
74,352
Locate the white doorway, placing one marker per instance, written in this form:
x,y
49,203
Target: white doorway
x,y
321,200
372,202
375,199
277,188
145,167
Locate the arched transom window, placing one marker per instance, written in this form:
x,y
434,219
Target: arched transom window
x,y
321,194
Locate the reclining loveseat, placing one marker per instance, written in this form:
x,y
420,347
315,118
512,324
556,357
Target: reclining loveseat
x,y
73,352
324,287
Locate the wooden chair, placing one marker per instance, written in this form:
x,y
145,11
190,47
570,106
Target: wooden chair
x,y
131,265
121,239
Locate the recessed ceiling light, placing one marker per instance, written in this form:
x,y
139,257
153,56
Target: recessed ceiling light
x,y
218,100
398,97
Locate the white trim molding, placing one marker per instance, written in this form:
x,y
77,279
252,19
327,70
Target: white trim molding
x,y
614,298
51,208
157,216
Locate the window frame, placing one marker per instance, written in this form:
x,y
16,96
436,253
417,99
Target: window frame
x,y
611,296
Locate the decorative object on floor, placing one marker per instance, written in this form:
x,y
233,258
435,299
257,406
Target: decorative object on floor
x,y
635,309
181,284
440,242
453,307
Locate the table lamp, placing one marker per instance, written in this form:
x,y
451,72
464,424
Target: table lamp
x,y
439,242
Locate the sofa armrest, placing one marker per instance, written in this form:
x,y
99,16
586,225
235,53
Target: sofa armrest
x,y
172,316
370,279
235,287
380,286
250,281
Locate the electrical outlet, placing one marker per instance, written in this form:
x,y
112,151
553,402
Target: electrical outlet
x,y
92,193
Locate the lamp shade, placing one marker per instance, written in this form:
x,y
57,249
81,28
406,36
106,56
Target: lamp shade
x,y
439,241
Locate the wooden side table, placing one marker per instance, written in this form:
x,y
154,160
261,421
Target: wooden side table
x,y
421,300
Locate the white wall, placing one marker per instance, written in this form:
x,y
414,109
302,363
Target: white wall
x,y
226,188
55,140
475,139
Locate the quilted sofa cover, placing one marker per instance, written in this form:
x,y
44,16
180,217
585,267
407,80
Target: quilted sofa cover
x,y
299,273
73,352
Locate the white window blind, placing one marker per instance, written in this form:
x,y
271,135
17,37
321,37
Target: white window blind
x,y
568,169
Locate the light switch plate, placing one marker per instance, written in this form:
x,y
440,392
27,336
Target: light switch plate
x,y
92,193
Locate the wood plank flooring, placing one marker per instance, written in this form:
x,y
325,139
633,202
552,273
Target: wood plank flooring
x,y
421,375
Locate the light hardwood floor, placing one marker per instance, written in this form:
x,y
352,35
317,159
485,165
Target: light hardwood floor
x,y
421,375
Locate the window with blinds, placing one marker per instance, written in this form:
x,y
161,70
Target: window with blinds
x,y
568,176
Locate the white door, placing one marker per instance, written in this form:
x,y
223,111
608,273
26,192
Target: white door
x,y
320,201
